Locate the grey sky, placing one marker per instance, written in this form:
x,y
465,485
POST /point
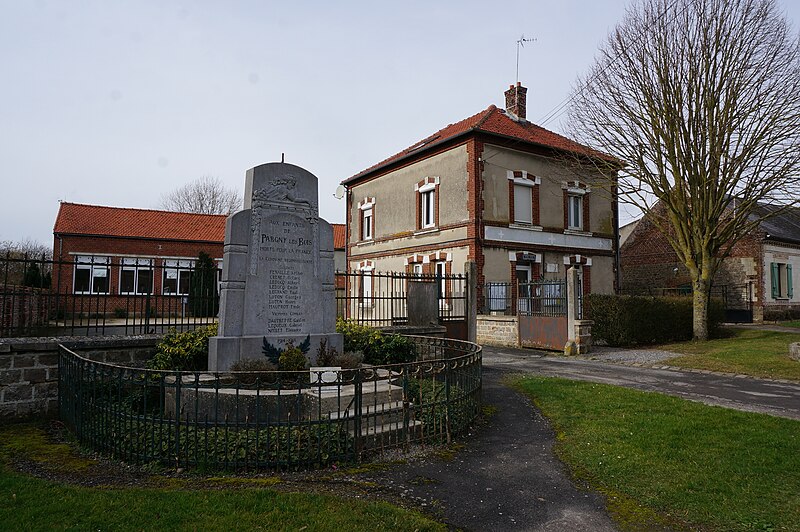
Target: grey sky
x,y
115,103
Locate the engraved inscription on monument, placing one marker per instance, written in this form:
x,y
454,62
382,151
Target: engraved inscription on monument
x,y
286,253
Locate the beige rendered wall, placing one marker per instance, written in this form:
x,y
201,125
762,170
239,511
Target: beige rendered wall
x,y
552,172
395,197
396,263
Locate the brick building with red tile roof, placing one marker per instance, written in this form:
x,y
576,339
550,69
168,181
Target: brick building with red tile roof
x,y
125,255
520,201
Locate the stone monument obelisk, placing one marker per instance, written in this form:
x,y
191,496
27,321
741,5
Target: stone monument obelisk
x,y
277,273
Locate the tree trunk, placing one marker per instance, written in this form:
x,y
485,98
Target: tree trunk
x,y
700,298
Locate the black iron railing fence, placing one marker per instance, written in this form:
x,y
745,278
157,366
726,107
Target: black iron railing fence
x,y
381,298
97,296
535,298
270,420
91,296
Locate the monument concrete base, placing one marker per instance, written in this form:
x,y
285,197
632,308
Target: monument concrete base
x,y
224,351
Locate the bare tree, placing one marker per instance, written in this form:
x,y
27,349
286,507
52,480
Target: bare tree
x,y
701,99
206,195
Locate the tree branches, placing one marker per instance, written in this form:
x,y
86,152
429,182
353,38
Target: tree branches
x,y
206,195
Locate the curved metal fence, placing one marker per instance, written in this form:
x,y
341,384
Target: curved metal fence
x,y
270,420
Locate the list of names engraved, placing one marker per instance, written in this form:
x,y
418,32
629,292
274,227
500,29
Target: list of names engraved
x,y
286,249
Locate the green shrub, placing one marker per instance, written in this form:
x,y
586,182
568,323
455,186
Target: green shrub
x,y
378,348
185,351
292,359
120,312
644,320
391,349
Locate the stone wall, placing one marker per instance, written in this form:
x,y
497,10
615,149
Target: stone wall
x,y
498,331
29,368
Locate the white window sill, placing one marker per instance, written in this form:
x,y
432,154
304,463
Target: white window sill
x,y
426,231
578,232
365,243
527,227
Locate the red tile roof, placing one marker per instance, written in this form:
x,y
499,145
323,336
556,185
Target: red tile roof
x,y
339,236
80,219
496,122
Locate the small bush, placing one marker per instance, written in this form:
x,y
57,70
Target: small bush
x,y
185,351
120,313
390,349
378,348
292,359
326,356
644,320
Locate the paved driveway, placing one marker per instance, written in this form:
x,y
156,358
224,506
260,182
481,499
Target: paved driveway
x,y
741,393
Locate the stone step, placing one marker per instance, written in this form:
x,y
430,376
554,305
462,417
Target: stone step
x,y
389,434
370,410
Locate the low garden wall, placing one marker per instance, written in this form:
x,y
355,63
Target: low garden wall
x,y
499,331
29,368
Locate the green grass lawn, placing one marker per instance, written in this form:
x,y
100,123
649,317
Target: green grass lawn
x,y
746,351
28,503
795,323
666,462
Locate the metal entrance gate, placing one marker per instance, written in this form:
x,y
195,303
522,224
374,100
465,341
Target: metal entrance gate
x,y
542,314
738,302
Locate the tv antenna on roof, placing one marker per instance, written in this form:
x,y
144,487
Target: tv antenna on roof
x,y
521,43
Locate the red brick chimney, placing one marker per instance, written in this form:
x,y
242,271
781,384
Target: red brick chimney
x,y
515,100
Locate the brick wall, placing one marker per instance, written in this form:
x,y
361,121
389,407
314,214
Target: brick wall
x,y
66,247
29,368
497,330
21,307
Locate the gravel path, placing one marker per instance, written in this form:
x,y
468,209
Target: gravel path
x,y
631,356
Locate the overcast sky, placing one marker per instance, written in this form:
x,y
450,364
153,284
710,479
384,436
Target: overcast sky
x,y
116,103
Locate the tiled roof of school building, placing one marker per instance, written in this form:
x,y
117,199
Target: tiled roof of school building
x,y
97,220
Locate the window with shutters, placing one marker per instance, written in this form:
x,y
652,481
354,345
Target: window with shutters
x,y
781,277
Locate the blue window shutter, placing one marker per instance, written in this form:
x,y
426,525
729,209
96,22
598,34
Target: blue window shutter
x,y
789,291
774,270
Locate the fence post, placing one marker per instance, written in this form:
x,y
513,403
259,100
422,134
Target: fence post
x,y
572,303
471,310
357,385
178,382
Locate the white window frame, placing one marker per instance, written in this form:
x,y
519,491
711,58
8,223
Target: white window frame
x,y
176,267
525,189
427,205
95,265
366,223
428,208
440,271
575,207
365,286
136,265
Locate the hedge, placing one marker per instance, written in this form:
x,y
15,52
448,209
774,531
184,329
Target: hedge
x,y
644,320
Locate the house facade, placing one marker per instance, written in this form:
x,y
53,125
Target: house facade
x,y
520,201
756,281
